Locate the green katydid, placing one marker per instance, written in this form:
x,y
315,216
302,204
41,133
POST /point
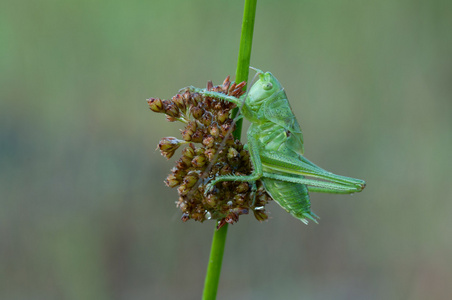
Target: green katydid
x,y
275,144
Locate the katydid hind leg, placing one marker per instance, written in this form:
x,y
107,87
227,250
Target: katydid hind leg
x,y
318,185
301,166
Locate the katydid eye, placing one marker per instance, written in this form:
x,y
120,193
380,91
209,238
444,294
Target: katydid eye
x,y
267,86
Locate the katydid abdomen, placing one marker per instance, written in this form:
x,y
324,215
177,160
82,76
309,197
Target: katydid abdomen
x,y
293,197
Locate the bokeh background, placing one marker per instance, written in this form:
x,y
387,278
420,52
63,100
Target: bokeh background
x,y
84,212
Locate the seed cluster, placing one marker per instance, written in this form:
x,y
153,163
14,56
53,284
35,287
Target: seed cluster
x,y
211,151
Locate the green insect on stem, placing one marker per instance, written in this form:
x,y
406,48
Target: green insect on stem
x,y
275,144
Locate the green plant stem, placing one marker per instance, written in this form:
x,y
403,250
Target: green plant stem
x,y
246,40
215,260
219,236
243,62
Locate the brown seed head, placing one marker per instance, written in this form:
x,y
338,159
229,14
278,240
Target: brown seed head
x,y
212,151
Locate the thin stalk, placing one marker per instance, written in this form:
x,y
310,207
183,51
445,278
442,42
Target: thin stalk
x,y
243,62
215,260
219,236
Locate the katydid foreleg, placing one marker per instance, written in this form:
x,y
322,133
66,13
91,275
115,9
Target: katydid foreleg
x,y
216,95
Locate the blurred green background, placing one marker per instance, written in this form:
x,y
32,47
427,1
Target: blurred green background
x,y
84,212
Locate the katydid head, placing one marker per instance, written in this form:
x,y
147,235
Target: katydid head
x,y
266,86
